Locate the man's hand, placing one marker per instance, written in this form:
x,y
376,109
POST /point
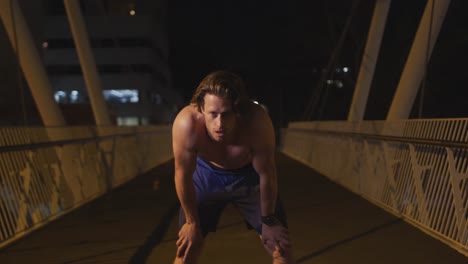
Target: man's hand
x,y
189,242
274,236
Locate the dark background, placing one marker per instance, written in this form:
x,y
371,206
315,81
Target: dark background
x,y
280,48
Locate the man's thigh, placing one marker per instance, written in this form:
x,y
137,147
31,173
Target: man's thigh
x,y
210,207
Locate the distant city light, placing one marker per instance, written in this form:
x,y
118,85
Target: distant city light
x,y
60,96
45,44
132,12
338,83
345,69
74,96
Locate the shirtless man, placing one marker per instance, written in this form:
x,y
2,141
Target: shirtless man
x,y
224,150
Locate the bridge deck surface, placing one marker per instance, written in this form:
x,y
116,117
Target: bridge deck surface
x,y
137,223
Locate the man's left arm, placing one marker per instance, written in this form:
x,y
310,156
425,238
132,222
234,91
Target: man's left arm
x,y
263,159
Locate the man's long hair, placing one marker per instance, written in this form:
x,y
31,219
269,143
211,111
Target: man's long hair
x,y
224,84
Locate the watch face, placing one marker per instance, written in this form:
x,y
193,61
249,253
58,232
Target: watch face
x,y
269,220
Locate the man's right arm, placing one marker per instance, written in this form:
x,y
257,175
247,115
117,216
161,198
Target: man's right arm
x,y
183,143
185,155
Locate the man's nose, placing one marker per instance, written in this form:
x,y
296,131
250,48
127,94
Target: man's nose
x,y
219,121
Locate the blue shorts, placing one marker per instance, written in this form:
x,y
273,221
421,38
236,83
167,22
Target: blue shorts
x,y
215,188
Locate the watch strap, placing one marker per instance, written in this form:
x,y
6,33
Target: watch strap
x,y
270,220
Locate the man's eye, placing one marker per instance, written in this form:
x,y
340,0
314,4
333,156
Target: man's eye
x,y
213,115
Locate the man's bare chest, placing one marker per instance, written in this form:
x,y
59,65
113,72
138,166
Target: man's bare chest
x,y
226,156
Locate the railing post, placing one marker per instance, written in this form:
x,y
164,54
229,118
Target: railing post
x,y
88,65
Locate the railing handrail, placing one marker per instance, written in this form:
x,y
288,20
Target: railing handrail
x,y
39,145
440,143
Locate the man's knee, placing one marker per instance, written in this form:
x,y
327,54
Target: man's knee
x,y
280,255
192,257
189,261
284,257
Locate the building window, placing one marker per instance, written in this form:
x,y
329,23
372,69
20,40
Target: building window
x,y
113,96
121,96
128,121
74,96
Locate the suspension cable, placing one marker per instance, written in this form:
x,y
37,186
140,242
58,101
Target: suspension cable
x,y
315,97
424,79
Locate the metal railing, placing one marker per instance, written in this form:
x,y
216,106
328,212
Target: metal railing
x,y
47,172
415,169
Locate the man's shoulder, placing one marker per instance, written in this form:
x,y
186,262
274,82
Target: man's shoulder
x,y
187,119
257,123
185,129
253,113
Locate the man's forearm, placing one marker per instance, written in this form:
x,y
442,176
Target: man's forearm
x,y
187,197
268,192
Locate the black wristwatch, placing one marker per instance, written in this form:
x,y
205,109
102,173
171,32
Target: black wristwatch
x,y
270,220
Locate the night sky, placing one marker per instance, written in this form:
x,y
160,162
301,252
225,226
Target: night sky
x,y
280,48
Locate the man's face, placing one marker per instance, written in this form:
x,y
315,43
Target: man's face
x,y
220,118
